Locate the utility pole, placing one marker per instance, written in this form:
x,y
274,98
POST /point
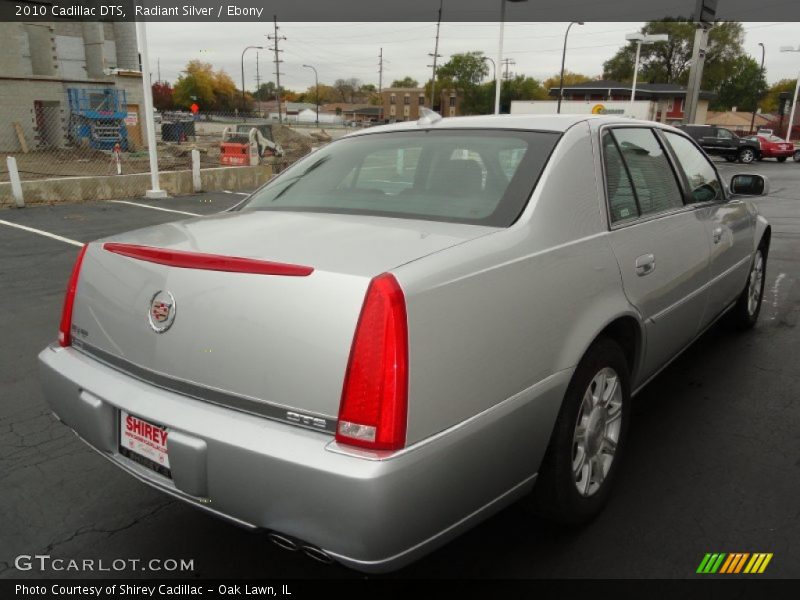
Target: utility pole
x,y
758,91
507,62
436,54
158,62
276,39
696,72
380,85
705,13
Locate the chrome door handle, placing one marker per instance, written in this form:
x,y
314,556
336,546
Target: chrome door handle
x,y
716,235
645,264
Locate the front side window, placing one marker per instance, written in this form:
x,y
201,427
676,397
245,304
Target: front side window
x,y
474,176
724,134
703,181
654,182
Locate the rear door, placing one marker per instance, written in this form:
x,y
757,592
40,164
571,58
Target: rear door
x,y
709,140
726,142
660,245
728,224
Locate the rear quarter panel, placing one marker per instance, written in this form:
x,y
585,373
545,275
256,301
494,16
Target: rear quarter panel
x,y
490,318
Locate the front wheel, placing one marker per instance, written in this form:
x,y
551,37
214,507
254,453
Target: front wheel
x,y
782,158
584,452
796,156
747,155
745,312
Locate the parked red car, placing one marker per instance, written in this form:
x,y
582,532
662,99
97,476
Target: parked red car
x,y
773,147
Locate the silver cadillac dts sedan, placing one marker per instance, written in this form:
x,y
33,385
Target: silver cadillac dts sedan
x,y
408,329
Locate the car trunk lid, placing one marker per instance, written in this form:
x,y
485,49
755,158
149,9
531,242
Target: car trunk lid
x,y
271,344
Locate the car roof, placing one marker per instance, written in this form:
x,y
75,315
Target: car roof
x,y
555,123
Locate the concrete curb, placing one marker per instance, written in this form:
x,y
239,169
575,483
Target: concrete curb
x,y
113,187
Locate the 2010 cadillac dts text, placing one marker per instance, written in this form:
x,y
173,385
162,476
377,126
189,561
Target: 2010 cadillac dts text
x,y
408,329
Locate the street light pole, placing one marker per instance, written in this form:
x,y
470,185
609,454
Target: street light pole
x,y
497,84
563,59
640,39
243,51
758,92
316,86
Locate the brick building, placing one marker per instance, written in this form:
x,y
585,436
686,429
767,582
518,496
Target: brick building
x,y
402,104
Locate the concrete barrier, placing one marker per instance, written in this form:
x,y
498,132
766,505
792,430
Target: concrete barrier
x,y
112,187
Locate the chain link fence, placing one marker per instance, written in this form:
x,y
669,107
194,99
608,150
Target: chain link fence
x,y
102,153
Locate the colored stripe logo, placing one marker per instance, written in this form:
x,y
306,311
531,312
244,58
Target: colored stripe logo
x,y
734,563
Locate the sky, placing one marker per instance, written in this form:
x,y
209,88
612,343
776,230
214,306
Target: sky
x,y
344,50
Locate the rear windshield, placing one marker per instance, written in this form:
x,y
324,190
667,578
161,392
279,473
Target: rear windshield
x,y
483,177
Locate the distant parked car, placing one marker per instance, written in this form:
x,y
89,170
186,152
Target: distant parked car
x,y
409,329
771,146
719,141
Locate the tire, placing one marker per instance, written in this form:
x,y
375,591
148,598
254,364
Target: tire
x,y
782,158
744,314
796,157
586,426
747,155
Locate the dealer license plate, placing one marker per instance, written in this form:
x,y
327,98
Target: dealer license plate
x,y
144,443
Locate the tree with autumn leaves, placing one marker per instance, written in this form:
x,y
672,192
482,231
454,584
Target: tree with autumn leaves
x,y
211,90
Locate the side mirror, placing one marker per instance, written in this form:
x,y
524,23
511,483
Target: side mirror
x,y
749,185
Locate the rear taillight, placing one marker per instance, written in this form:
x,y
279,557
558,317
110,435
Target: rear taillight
x,y
374,405
64,331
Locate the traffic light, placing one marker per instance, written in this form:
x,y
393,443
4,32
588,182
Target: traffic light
x,y
705,11
784,103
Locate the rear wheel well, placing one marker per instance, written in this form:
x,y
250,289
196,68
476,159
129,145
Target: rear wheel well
x,y
766,238
626,333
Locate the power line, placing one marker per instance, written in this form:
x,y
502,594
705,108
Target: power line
x,y
277,39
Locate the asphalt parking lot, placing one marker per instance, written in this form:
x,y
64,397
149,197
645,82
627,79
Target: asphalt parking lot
x,y
713,462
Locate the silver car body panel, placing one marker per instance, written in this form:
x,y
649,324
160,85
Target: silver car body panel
x,y
498,318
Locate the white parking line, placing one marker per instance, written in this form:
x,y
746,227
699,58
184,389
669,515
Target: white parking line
x,y
52,236
172,210
237,193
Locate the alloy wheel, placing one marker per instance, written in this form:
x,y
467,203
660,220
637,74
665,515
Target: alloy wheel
x,y
756,281
597,431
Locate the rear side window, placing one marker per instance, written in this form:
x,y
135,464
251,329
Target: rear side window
x,y
654,184
483,177
701,176
621,198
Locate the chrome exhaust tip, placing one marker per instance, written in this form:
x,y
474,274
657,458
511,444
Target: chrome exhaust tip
x,y
317,554
283,542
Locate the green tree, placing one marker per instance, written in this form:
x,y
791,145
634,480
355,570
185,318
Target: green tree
x,y
669,62
266,91
405,82
570,78
770,103
520,88
464,73
742,86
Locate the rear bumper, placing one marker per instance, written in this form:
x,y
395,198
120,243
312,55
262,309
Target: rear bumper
x,y
372,515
